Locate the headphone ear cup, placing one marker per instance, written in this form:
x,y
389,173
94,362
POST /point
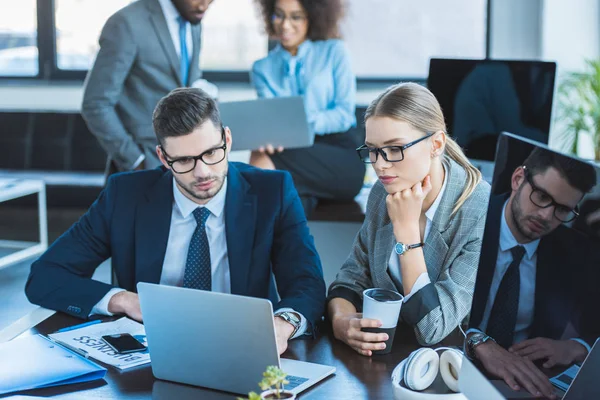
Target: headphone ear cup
x,y
421,369
450,364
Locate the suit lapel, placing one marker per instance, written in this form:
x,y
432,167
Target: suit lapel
x,y
434,251
384,243
240,222
152,225
488,258
195,61
157,18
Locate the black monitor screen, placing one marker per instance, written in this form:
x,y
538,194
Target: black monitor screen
x,y
481,98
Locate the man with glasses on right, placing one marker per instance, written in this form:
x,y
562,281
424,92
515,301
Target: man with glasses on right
x,y
530,272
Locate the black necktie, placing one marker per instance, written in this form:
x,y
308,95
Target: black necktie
x,y
197,273
503,317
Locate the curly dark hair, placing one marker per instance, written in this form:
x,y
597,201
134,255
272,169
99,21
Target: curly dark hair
x,y
323,17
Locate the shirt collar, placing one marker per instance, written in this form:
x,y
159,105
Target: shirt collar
x,y
216,205
303,49
430,213
169,10
508,241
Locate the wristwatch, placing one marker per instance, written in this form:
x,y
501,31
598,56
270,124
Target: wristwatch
x,y
475,340
291,318
401,248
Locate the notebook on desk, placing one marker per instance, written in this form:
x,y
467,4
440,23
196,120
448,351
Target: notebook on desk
x,y
35,362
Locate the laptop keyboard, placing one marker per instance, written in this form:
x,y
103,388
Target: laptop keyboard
x,y
295,381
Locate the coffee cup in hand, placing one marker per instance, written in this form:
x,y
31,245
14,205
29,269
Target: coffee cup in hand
x,y
383,305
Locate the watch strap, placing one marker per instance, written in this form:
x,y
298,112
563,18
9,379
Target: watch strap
x,y
414,246
290,318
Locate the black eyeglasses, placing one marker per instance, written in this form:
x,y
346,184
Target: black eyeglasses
x,y
212,156
296,19
389,153
540,198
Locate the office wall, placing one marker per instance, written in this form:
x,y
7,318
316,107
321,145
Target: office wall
x,y
571,32
516,29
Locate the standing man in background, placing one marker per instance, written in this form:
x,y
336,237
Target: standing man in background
x,y
147,49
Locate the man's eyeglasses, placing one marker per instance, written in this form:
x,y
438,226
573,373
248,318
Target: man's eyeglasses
x,y
540,198
212,156
296,19
369,155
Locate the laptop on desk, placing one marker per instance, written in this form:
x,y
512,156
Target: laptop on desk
x,y
215,340
280,121
475,386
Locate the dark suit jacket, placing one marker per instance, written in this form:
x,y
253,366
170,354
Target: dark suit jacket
x,y
559,274
136,66
266,231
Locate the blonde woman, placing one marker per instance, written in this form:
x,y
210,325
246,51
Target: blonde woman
x,y
429,198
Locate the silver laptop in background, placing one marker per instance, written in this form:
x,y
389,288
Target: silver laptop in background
x,y
280,121
475,386
215,340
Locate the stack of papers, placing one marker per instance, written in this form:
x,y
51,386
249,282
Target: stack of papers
x,y
35,362
88,342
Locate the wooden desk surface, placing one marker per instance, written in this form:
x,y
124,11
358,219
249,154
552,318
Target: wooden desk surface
x,y
357,377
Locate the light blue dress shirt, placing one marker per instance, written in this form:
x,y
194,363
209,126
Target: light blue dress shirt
x,y
322,73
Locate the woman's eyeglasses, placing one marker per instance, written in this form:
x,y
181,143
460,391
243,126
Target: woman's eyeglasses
x,y
295,19
369,155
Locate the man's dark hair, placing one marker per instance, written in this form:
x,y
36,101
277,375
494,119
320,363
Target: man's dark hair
x,y
323,17
182,111
578,174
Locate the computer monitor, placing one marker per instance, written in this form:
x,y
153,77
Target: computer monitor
x,y
481,98
540,202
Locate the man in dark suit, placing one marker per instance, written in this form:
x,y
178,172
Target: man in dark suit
x,y
525,301
147,49
198,221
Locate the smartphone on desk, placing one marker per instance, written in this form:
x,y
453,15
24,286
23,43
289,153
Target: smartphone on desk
x,y
123,343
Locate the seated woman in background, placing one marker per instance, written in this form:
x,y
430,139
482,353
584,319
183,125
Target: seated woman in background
x,y
309,62
428,195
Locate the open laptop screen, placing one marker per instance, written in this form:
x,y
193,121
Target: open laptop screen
x,y
536,292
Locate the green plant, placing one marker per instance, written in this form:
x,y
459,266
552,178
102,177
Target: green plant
x,y
273,379
579,107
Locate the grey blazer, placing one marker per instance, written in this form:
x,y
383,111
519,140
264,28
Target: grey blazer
x,y
451,254
136,66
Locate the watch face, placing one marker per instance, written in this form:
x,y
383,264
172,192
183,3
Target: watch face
x,y
400,248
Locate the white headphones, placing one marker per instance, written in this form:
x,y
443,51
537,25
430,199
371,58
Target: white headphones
x,y
420,369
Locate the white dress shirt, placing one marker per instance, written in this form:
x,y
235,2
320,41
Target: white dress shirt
x,y
183,225
172,18
394,263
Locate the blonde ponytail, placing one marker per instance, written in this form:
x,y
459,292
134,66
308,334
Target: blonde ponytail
x,y
454,152
416,105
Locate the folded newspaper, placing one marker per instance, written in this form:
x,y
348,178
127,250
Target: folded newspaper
x,y
88,342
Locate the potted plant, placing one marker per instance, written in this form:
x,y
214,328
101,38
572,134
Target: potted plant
x,y
272,386
579,108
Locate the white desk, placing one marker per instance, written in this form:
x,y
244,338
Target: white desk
x,y
19,250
